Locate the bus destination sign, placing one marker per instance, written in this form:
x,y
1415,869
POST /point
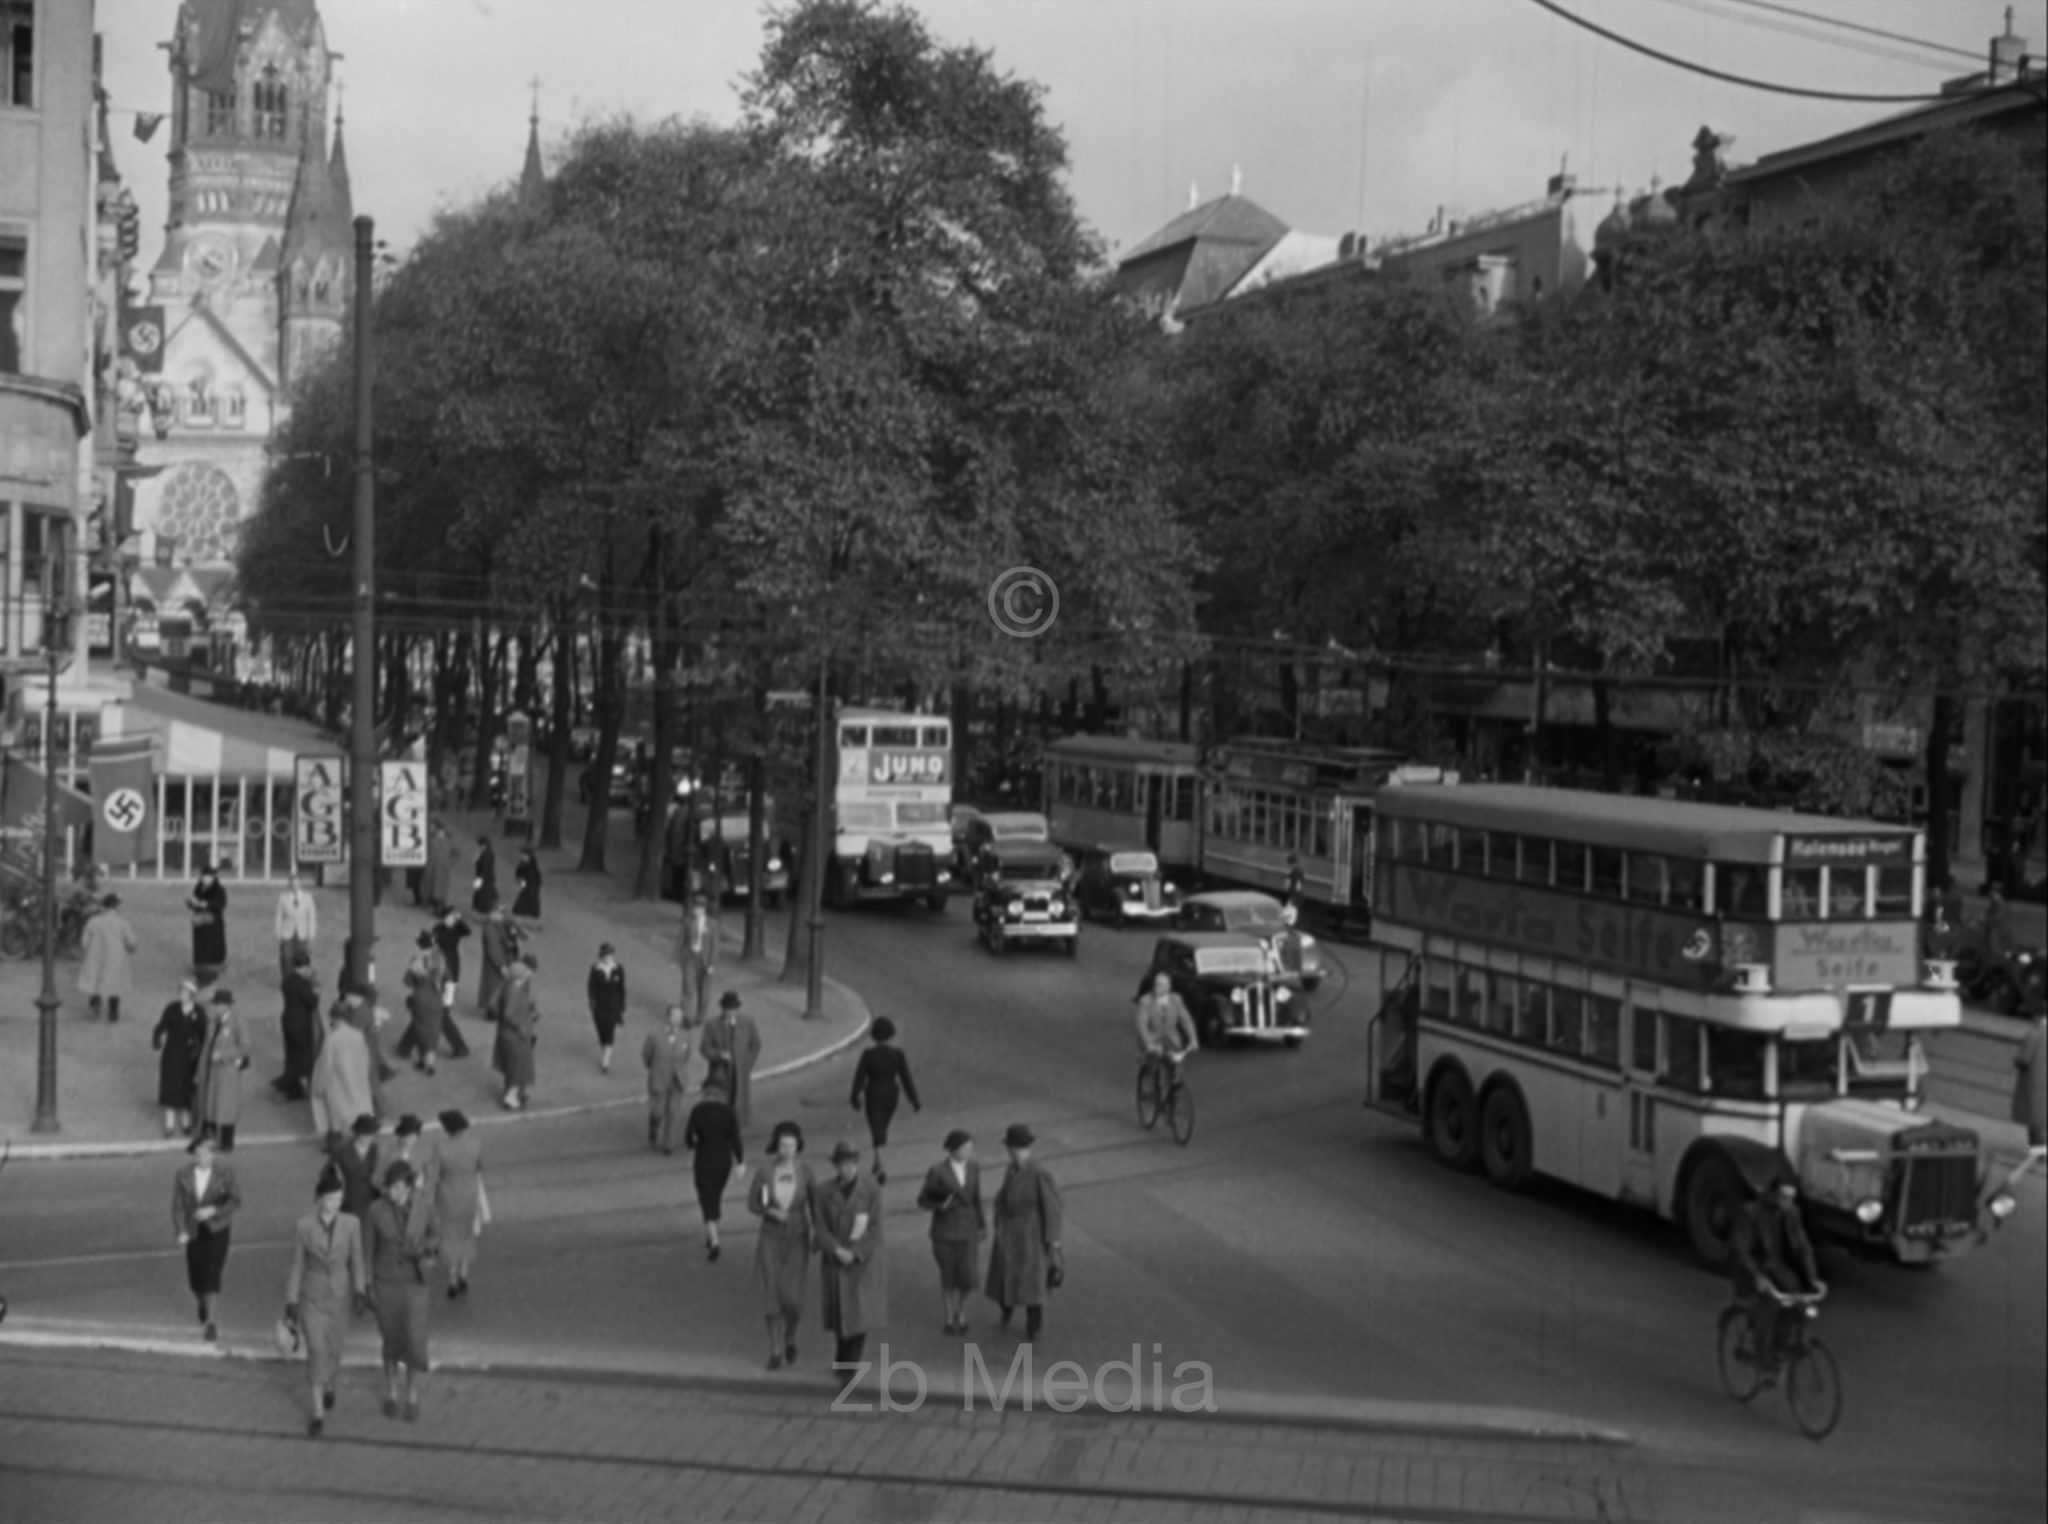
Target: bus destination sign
x,y
1849,850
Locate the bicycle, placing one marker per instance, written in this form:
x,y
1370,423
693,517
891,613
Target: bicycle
x,y
1813,1382
1162,1092
21,932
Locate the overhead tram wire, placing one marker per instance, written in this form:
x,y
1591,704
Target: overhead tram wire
x,y
1711,10
1744,81
1853,26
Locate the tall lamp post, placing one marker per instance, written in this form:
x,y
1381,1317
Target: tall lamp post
x,y
56,639
362,775
821,851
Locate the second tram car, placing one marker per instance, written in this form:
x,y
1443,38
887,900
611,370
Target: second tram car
x,y
1108,789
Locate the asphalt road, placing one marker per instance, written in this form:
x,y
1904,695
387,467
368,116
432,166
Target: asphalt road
x,y
1302,1245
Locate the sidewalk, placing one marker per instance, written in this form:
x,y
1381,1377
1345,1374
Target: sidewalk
x,y
107,1073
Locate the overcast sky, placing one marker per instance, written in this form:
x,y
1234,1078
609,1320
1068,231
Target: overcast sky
x,y
1339,114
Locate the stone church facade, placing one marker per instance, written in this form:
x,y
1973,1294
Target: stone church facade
x,y
256,268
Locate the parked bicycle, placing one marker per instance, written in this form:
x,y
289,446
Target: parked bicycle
x,y
1813,1382
1162,1092
21,927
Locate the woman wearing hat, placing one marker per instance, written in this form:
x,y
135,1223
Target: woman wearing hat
x,y
398,1245
426,991
712,1135
880,1078
952,1194
781,1195
355,1159
223,1055
732,1039
1028,1220
180,1032
518,1019
855,1274
461,1206
606,988
526,904
209,906
326,1275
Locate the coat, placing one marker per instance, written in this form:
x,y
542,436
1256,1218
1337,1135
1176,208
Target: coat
x,y
222,1194
179,1034
527,875
733,1040
426,976
298,918
341,1079
2030,1081
782,1252
856,1296
607,991
301,1024
1028,1220
448,934
222,1057
327,1273
712,1135
500,946
209,907
668,1081
456,1181
483,897
518,1021
358,1171
957,1213
107,971
440,874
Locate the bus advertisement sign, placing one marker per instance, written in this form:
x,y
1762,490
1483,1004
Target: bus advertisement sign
x,y
898,768
1814,957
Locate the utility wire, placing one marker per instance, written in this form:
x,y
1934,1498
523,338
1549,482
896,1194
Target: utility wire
x,y
1731,79
1710,9
1852,26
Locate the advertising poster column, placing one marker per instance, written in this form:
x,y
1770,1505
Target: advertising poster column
x,y
320,813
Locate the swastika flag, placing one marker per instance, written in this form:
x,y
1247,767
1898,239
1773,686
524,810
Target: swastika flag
x,y
124,800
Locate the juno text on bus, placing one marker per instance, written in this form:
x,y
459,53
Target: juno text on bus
x,y
891,803
1662,1001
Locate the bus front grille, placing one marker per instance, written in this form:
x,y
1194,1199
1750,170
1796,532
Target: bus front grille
x,y
1938,1193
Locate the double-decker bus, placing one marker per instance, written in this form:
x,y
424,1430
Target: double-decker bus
x,y
1661,1001
1270,809
892,835
1109,790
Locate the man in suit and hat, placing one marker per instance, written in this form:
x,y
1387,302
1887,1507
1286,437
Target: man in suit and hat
x,y
952,1194
697,952
732,1040
855,1278
1026,1260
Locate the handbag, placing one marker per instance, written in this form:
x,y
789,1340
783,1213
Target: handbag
x,y
483,1205
1056,1273
286,1336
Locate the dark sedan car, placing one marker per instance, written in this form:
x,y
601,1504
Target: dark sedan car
x,y
1020,897
1262,916
1226,980
1125,884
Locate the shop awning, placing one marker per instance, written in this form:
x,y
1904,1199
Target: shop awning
x,y
21,805
203,740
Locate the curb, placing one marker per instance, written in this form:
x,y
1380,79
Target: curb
x,y
46,1153
1442,1421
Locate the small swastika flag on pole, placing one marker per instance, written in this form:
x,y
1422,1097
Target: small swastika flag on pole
x,y
124,800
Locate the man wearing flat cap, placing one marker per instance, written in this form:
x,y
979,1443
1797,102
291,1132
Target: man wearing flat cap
x,y
952,1194
1026,1260
848,1217
734,1042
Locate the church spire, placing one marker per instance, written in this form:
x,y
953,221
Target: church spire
x,y
337,172
532,179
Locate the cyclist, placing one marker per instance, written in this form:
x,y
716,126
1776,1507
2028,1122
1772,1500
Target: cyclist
x,y
1165,1030
1773,1257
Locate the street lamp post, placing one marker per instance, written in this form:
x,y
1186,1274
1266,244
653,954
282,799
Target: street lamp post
x,y
362,778
49,1003
821,852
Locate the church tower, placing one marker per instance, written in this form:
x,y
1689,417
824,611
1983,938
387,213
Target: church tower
x,y
252,180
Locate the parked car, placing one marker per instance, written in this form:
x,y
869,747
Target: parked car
x,y
1020,896
1258,915
1124,884
625,783
993,827
1226,980
721,858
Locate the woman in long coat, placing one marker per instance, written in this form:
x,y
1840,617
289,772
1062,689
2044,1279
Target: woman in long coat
x,y
500,947
440,874
398,1246
426,985
341,1076
518,1017
607,991
461,1206
179,1033
880,1080
483,898
301,1027
209,907
780,1195
326,1279
712,1135
222,1058
854,1275
1028,1221
106,972
526,904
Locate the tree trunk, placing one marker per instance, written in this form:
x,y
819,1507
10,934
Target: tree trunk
x,y
558,729
1604,737
491,669
1187,701
610,647
1290,698
817,849
526,687
757,842
1940,850
963,743
661,786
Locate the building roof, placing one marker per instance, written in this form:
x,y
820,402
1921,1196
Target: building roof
x,y
1974,106
202,739
337,177
533,180
218,26
1227,219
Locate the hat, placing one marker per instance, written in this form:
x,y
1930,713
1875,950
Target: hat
x,y
454,1123
956,1138
408,1126
729,1001
330,1181
365,1126
1018,1136
605,949
400,1173
843,1151
424,939
223,997
883,1029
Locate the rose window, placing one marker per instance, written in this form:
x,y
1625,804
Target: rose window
x,y
201,511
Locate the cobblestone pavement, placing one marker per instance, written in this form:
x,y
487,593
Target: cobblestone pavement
x,y
118,1436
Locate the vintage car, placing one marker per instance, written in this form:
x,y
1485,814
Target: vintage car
x,y
1258,915
1226,980
1021,896
721,858
1124,884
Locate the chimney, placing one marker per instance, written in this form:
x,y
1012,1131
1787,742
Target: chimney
x,y
2008,55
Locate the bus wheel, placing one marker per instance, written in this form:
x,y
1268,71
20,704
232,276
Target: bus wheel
x,y
1713,1195
1453,1125
1504,1138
